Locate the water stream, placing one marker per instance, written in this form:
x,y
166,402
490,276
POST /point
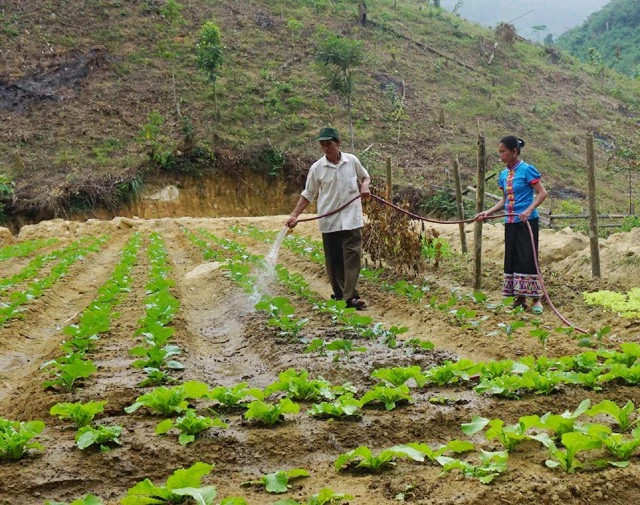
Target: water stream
x,y
267,273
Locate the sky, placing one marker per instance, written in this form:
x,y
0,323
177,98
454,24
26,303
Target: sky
x,y
557,15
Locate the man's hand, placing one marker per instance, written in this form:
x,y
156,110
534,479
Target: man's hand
x,y
292,221
364,191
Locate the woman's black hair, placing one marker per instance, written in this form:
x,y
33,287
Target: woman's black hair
x,y
511,143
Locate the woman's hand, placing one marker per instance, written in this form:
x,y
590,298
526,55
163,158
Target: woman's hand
x,y
481,216
524,215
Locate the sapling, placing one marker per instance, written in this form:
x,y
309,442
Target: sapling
x,y
509,328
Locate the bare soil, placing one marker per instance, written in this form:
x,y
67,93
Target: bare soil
x,y
225,341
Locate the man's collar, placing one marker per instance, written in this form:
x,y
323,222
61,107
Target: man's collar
x,y
327,162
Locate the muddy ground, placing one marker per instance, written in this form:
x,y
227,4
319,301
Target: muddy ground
x,y
225,341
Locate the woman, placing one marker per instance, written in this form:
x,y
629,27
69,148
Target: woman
x,y
522,194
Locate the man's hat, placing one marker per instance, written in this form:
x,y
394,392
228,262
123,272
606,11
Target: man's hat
x,y
328,133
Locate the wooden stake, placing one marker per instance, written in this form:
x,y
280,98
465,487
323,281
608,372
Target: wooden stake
x,y
593,209
456,179
477,229
389,181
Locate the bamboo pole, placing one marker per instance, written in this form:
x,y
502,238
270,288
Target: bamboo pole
x,y
593,210
477,229
459,204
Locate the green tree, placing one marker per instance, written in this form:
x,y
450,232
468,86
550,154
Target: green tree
x,y
171,13
537,30
339,56
210,56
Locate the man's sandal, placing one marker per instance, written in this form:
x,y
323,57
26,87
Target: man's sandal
x,y
356,303
537,310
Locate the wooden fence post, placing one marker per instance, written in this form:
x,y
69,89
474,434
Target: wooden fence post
x,y
593,209
456,179
477,229
389,180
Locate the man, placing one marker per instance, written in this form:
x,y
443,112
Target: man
x,y
335,179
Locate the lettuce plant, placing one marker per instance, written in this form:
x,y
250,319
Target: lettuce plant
x,y
298,386
388,395
268,413
619,445
67,370
98,435
155,377
181,484
343,406
190,424
234,396
451,373
80,413
621,415
278,482
15,438
509,436
491,465
363,458
400,375
456,446
170,401
574,442
565,422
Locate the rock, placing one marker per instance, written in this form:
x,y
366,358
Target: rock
x,y
6,237
123,223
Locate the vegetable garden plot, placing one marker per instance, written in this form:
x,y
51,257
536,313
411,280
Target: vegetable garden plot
x,y
229,346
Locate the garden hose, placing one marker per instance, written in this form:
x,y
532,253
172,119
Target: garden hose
x,y
438,221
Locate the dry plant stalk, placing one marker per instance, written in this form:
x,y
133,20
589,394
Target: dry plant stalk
x,y
389,237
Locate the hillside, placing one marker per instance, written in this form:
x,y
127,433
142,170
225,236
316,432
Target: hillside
x,y
80,81
613,33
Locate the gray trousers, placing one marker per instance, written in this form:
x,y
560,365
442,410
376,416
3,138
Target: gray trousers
x,y
342,252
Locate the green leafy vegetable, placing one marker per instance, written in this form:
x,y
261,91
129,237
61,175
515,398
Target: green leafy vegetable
x,y
15,438
81,413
